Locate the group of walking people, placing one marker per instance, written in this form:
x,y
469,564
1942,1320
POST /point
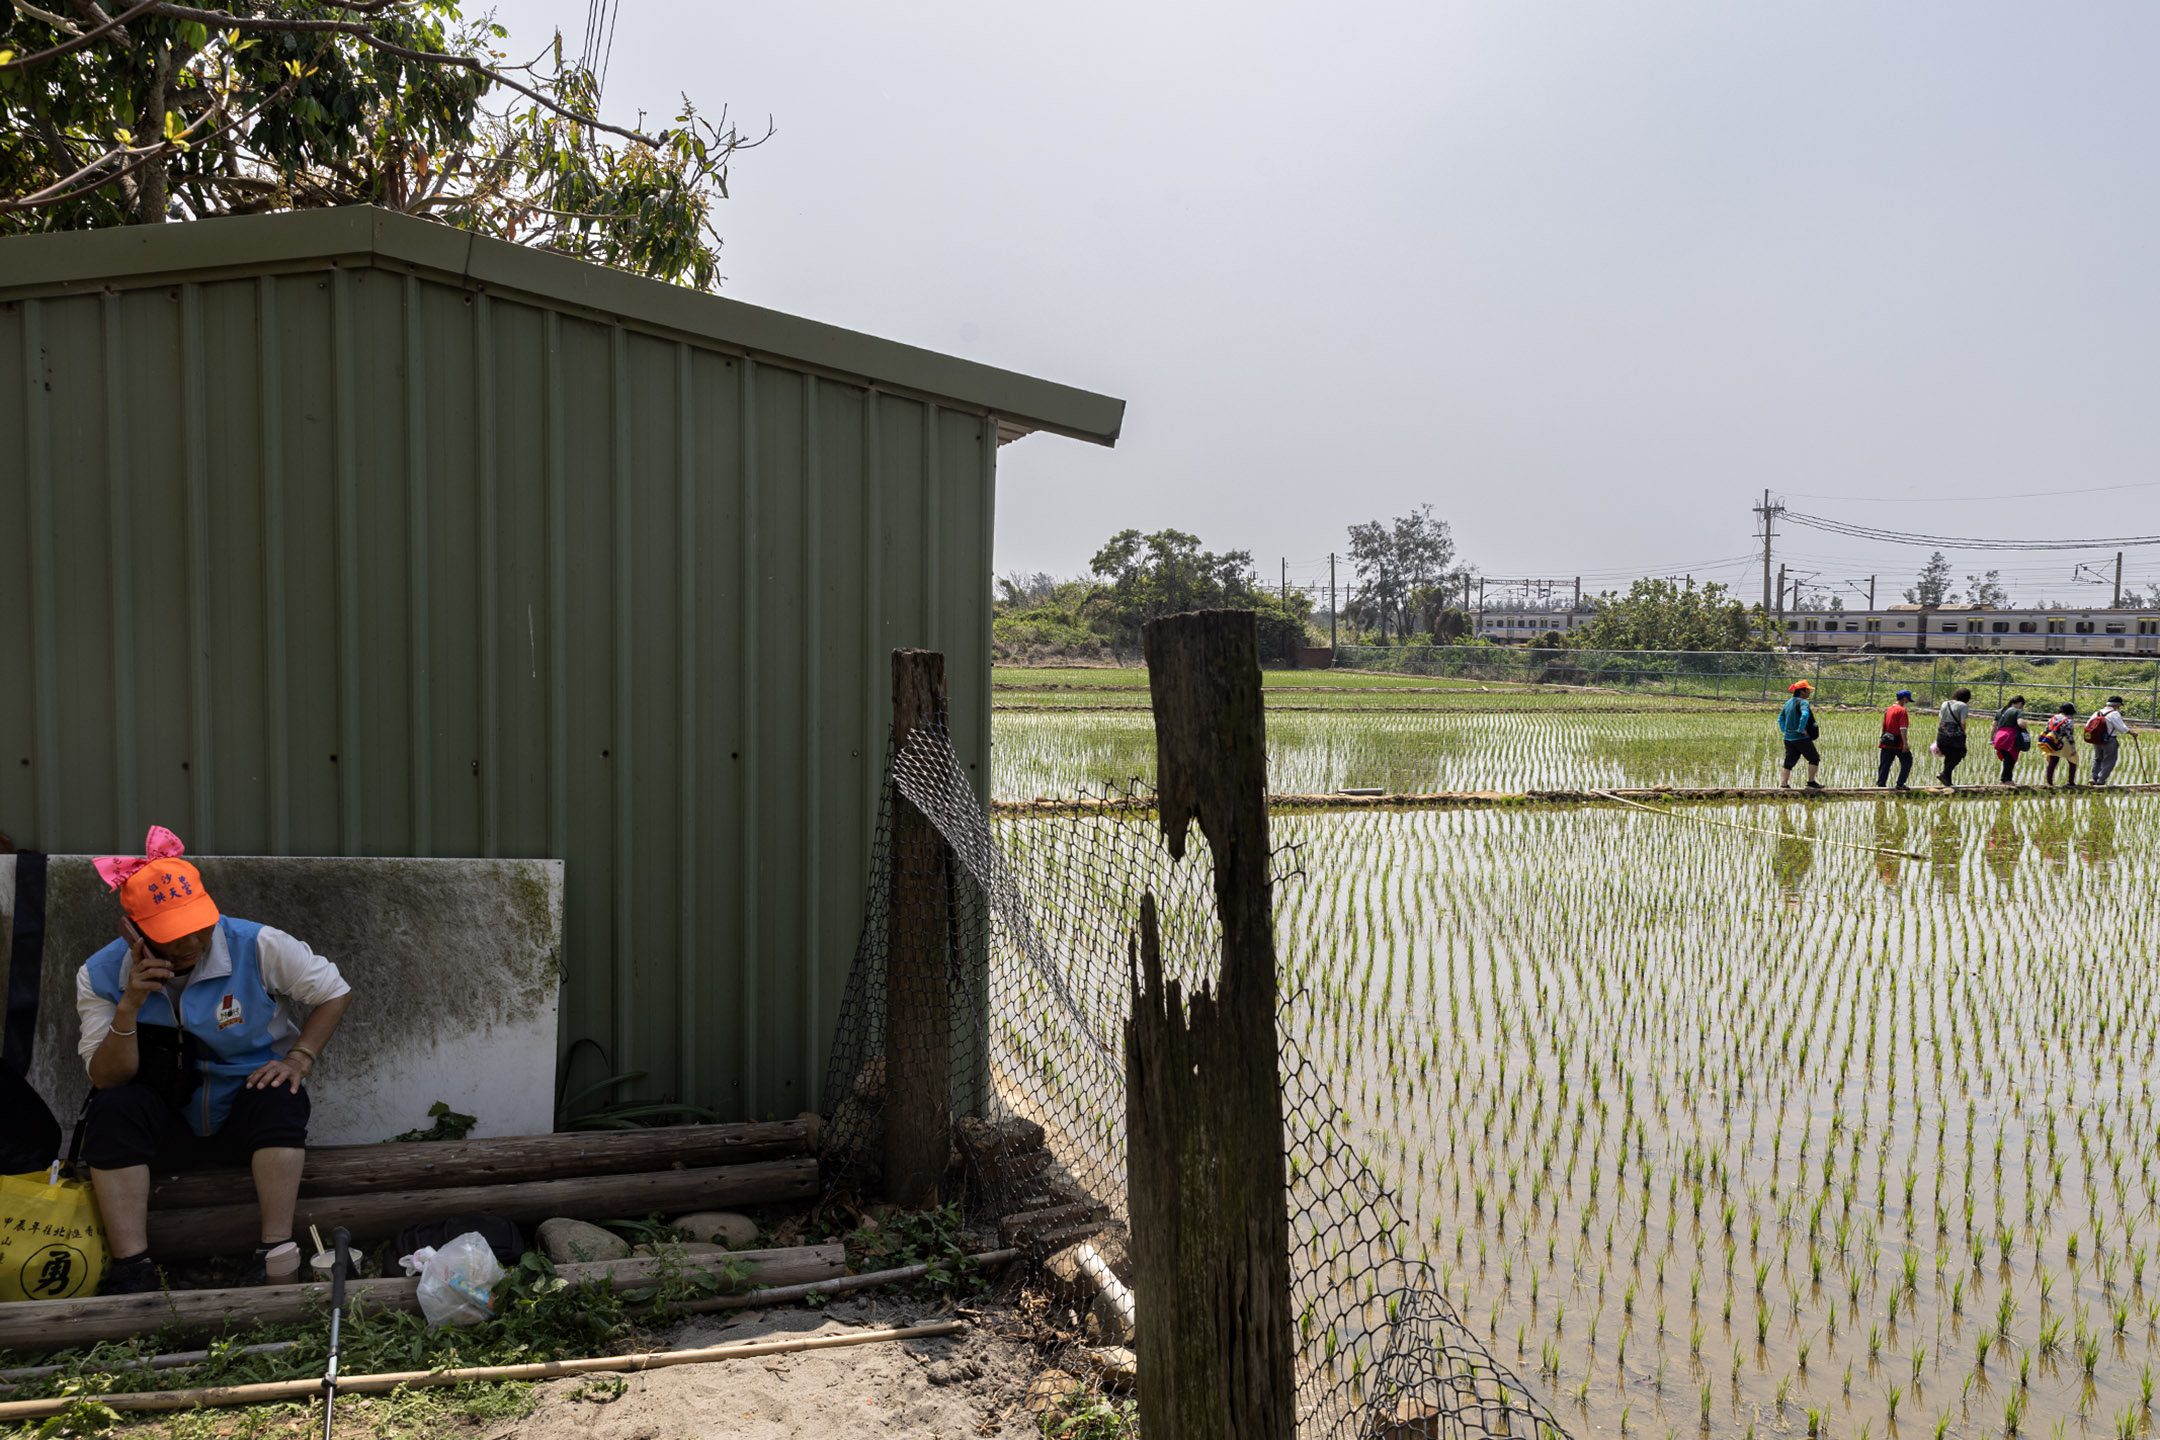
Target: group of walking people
x,y
2056,737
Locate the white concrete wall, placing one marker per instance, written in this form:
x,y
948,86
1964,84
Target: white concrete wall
x,y
455,966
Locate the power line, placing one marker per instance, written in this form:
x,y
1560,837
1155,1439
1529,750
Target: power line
x,y
1955,542
1982,499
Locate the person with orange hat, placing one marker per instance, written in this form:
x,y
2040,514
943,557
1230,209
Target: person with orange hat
x,y
194,1055
1796,722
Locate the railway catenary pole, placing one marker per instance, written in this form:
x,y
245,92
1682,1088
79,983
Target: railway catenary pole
x,y
1331,601
2116,604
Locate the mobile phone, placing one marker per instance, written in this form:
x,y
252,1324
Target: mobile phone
x,y
133,936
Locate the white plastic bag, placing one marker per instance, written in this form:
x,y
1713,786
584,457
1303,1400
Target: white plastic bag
x,y
457,1281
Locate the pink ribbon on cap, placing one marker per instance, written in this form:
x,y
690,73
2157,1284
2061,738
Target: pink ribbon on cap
x,y
159,844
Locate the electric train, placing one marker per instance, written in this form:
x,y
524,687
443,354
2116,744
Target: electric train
x,y
1951,629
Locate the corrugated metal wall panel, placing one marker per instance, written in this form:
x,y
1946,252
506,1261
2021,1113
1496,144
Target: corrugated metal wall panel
x,y
352,561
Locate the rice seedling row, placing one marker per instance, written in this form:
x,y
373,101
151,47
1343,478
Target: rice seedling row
x,y
1722,1132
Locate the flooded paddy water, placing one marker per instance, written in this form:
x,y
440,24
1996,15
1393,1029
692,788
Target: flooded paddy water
x,y
1833,1119
1495,742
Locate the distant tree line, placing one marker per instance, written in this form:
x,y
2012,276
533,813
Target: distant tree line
x,y
1133,579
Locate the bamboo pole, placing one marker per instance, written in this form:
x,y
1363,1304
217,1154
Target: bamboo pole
x,y
844,1285
772,1295
276,1390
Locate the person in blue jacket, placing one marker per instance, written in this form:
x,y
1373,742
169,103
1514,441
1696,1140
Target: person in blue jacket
x,y
195,1057
1796,722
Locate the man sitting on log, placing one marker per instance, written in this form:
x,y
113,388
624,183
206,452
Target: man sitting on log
x,y
194,1056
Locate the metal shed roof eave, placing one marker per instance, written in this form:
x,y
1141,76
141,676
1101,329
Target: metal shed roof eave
x,y
133,256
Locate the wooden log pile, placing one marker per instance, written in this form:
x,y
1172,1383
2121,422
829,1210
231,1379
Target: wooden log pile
x,y
58,1324
1044,1210
376,1190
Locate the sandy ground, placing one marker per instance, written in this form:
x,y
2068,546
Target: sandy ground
x,y
947,1388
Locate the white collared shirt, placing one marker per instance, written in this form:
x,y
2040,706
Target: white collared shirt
x,y
291,972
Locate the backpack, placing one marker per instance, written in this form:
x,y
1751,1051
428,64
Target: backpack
x,y
2096,728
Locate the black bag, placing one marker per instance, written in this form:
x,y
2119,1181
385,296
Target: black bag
x,y
1891,740
1814,731
167,1063
502,1236
29,1135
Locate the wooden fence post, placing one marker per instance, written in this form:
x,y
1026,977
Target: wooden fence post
x,y
918,1023
1204,1111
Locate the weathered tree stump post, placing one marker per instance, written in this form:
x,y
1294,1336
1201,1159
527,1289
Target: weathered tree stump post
x,y
918,1023
1204,1122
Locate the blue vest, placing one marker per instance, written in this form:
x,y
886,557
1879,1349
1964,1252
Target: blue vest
x,y
225,1007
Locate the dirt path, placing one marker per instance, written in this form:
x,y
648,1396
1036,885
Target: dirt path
x,y
947,1388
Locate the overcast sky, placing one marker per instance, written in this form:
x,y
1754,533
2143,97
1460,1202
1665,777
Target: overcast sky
x,y
1585,277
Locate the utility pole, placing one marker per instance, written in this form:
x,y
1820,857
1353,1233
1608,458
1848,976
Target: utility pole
x,y
1781,594
1331,600
1578,594
2117,604
1871,592
1286,579
1769,513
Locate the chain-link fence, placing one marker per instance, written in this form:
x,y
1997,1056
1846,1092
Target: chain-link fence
x,y
1028,923
2044,680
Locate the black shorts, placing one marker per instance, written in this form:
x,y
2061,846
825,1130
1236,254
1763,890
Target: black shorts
x,y
1798,750
130,1125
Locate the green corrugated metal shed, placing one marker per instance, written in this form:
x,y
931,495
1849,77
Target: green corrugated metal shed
x,y
345,533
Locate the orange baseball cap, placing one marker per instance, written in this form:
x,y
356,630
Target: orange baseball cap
x,y
166,900
162,893
1798,685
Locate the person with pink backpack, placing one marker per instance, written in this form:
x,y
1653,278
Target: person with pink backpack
x,y
2011,737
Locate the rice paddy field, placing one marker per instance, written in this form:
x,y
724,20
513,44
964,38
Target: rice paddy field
x,y
1407,737
1824,1120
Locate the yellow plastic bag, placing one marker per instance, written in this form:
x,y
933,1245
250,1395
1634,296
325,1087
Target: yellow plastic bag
x,y
52,1239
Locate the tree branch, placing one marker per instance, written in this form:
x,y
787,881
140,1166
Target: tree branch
x,y
219,20
83,39
141,156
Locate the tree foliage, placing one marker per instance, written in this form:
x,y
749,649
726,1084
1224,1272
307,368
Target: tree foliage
x,y
1400,565
1987,589
1167,572
1139,577
1932,590
152,110
1659,614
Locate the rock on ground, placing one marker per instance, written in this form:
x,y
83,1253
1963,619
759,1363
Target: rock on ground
x,y
945,1388
723,1227
568,1242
